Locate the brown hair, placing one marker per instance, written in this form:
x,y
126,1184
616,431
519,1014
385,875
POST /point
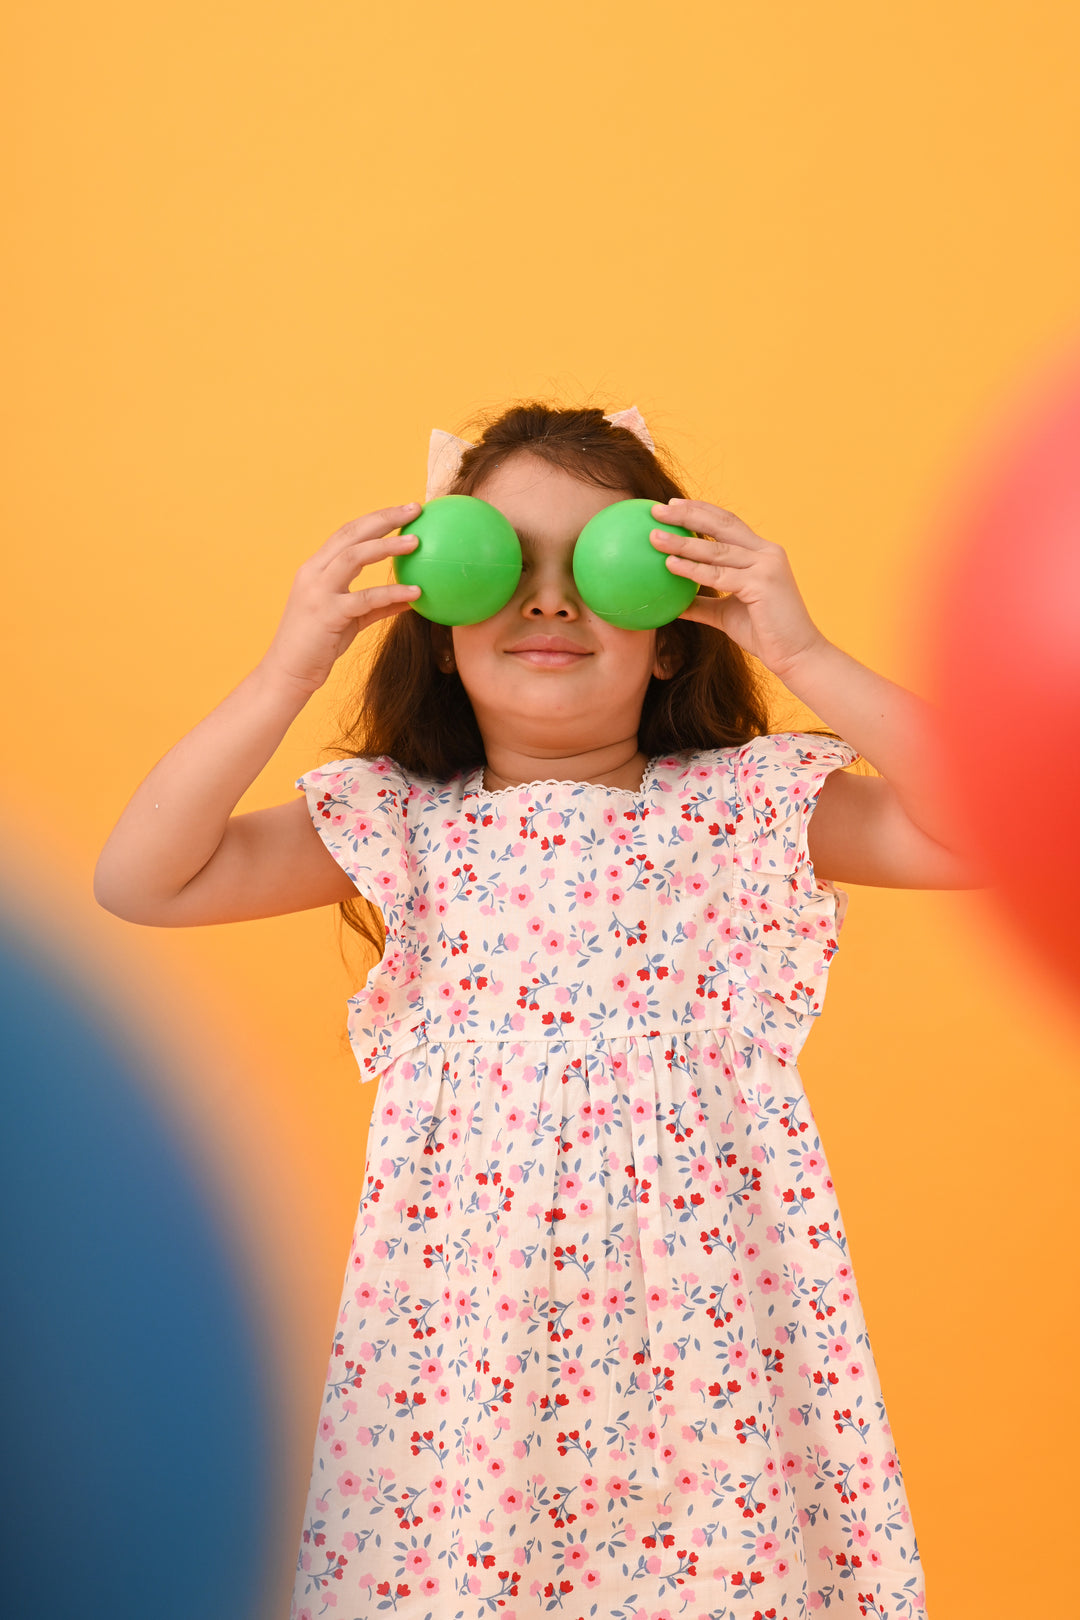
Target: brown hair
x,y
421,718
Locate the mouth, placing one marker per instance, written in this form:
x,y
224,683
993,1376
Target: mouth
x,y
549,652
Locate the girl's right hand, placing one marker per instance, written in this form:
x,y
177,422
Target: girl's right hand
x,y
322,615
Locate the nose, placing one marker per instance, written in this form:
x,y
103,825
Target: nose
x,y
548,590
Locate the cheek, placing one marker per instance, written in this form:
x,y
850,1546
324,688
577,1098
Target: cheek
x,y
476,657
471,643
633,650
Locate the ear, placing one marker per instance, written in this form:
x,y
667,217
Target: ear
x,y
668,655
442,645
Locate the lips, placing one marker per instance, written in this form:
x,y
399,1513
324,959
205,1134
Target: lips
x,y
548,643
548,652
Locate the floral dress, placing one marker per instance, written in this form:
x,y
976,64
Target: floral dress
x,y
600,1350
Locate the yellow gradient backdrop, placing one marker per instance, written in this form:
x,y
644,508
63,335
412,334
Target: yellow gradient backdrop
x,y
254,254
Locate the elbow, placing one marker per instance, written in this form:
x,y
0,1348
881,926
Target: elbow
x,y
120,900
102,891
109,899
108,884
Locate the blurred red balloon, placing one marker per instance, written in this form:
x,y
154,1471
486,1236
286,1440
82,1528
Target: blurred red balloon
x,y
1004,656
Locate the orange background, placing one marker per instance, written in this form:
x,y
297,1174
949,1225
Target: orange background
x,y
254,255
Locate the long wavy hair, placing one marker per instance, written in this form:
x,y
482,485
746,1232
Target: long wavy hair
x,y
421,717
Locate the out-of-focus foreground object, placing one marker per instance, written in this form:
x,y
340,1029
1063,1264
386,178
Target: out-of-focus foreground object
x,y
133,1432
1004,656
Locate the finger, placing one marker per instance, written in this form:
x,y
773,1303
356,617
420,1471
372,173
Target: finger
x,y
701,550
392,610
363,531
709,519
378,597
352,559
724,577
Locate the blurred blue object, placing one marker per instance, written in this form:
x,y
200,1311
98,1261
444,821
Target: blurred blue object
x,y
134,1465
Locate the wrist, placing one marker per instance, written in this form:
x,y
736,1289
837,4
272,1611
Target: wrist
x,y
278,687
802,667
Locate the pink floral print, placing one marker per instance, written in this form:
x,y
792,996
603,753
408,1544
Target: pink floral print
x,y
600,1350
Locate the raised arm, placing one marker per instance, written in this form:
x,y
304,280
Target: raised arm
x,y
178,856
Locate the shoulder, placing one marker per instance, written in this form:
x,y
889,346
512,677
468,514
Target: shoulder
x,y
795,753
788,764
357,789
374,777
356,773
778,779
364,810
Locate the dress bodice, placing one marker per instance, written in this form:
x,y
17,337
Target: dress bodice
x,y
582,911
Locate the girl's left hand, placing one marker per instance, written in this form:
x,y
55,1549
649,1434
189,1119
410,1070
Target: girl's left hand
x,y
764,613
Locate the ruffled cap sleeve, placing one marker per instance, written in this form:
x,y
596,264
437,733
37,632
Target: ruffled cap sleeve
x,y
786,922
359,808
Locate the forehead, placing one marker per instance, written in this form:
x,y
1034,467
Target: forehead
x,y
544,504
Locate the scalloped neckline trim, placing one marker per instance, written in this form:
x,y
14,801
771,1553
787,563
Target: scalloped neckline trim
x,y
475,789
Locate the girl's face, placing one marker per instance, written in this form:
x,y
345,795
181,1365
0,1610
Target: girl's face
x,y
546,674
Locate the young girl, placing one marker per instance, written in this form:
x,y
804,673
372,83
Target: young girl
x,y
600,1348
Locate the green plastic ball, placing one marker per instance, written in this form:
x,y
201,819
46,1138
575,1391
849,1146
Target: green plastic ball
x,y
467,563
620,574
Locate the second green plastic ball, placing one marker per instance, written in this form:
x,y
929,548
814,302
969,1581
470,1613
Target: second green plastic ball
x,y
621,575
